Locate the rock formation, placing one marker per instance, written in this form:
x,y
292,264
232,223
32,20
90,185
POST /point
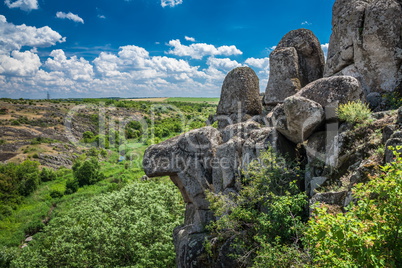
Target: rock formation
x,y
297,118
332,91
200,161
240,97
366,43
364,58
297,60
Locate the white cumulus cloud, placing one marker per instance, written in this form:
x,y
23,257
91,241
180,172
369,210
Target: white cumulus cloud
x,y
261,63
69,16
14,37
261,67
26,5
73,68
171,3
191,39
225,64
19,64
200,50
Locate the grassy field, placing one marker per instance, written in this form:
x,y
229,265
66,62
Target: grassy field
x,y
148,99
196,100
179,99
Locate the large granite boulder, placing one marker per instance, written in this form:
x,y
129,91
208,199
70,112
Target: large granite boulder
x,y
334,90
297,61
297,118
366,43
240,97
284,79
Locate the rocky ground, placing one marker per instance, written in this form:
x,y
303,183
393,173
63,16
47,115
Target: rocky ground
x,y
47,131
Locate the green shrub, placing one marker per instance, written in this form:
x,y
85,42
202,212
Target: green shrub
x,y
34,227
5,211
354,112
2,142
394,100
87,172
7,254
71,186
47,174
369,233
266,212
56,194
88,136
128,228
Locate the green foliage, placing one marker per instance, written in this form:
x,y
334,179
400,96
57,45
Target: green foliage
x,y
40,140
354,112
56,194
369,233
47,174
268,210
195,100
71,186
34,227
17,181
2,141
88,136
394,100
131,227
87,172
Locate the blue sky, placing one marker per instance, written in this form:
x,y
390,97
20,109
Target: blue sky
x,y
143,48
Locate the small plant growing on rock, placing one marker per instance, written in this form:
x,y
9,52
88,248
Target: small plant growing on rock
x,y
354,112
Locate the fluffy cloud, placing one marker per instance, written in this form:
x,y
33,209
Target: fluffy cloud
x,y
19,64
223,64
14,37
200,50
262,63
171,3
132,71
190,39
69,16
261,66
73,68
26,5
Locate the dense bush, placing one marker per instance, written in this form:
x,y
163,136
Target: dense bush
x,y
87,172
88,137
369,233
15,180
266,213
354,112
47,174
132,227
71,186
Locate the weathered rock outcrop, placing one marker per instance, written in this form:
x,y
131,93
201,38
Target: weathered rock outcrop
x,y
332,91
201,160
297,60
366,43
297,118
240,97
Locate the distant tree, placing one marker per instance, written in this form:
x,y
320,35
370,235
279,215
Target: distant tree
x,y
87,172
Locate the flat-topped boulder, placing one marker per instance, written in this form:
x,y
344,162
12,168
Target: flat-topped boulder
x,y
334,90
